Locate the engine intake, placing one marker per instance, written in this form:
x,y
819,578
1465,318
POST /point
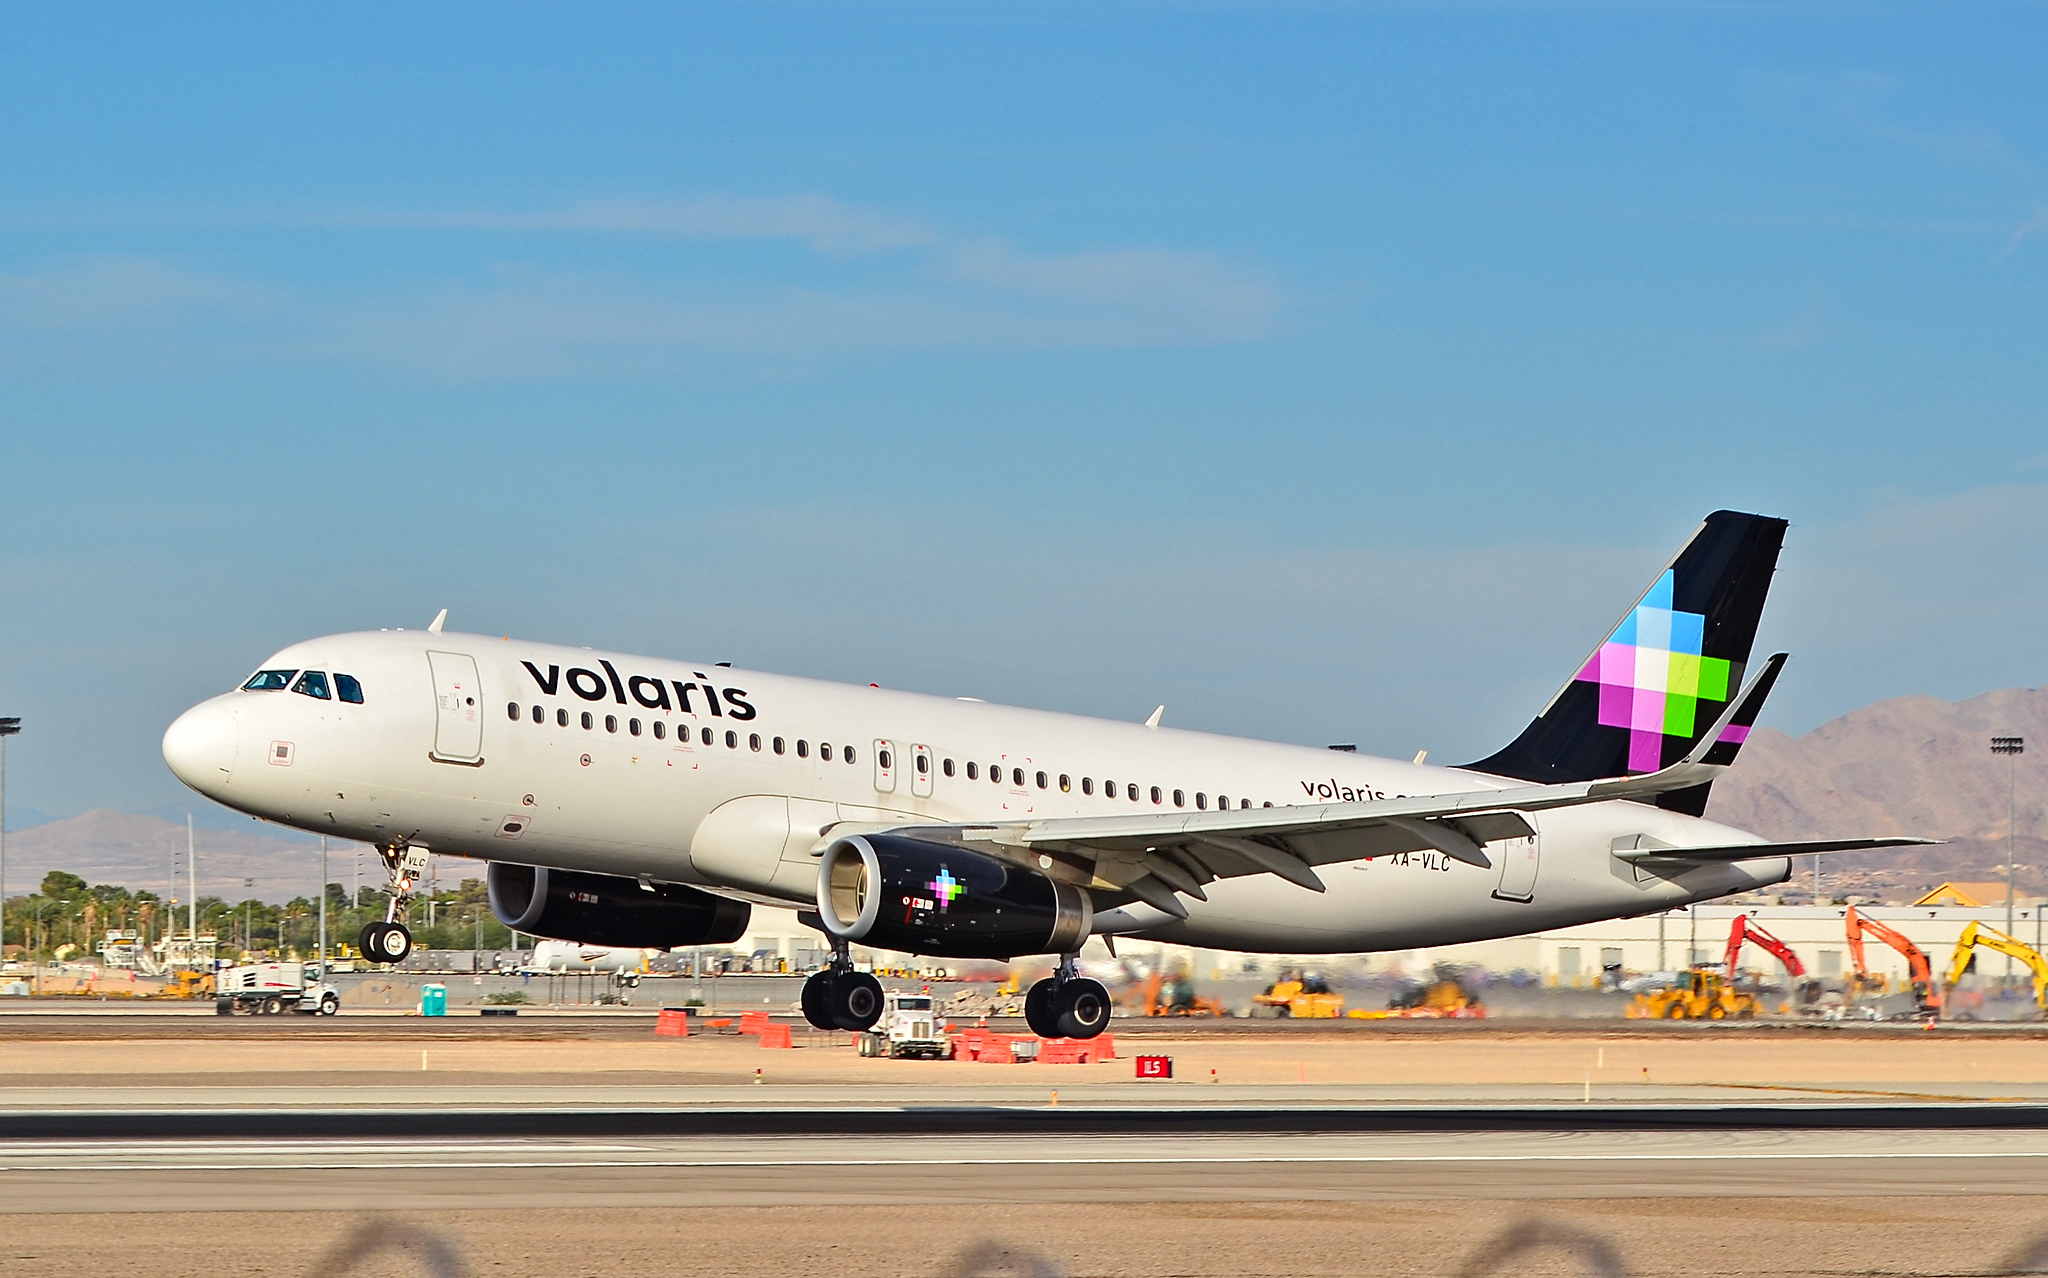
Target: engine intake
x,y
604,909
898,893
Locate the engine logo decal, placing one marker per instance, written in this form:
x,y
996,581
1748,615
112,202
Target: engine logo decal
x,y
946,888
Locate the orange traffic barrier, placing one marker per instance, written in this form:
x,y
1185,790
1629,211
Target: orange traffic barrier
x,y
776,1036
753,1022
673,1022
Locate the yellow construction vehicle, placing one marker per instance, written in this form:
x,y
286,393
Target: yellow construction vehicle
x,y
1976,934
1446,996
185,983
1706,996
1301,997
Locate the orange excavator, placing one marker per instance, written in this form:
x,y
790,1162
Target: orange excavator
x,y
1747,929
1921,973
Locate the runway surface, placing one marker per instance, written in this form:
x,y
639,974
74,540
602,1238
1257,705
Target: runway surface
x,y
364,1173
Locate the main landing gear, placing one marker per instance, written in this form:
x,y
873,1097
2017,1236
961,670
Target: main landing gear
x,y
1066,1005
391,941
841,998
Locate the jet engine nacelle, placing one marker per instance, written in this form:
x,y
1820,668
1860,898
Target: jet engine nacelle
x,y
604,909
898,893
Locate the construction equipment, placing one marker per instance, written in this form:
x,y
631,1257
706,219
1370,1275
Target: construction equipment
x,y
185,983
1926,997
1303,997
1173,994
1446,996
1706,996
1976,934
271,988
1744,928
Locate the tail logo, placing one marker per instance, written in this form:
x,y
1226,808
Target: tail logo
x,y
1652,675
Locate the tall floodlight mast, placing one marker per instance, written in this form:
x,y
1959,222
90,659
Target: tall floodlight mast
x,y
2011,748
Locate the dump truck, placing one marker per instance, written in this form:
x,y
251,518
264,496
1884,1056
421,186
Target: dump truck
x,y
267,989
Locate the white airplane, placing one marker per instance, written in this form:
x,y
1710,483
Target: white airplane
x,y
642,802
572,956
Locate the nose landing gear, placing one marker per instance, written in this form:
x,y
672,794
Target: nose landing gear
x,y
391,941
1067,1005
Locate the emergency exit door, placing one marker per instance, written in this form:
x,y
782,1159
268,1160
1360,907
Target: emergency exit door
x,y
458,708
1518,863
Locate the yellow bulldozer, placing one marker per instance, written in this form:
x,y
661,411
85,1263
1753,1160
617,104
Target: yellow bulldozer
x,y
1302,997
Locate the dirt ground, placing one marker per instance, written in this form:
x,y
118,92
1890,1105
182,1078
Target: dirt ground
x,y
278,1055
1764,1236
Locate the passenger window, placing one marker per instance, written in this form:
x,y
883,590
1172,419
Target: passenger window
x,y
561,718
611,723
1245,803
848,752
1109,789
1268,803
1155,794
348,689
660,730
995,773
949,767
1201,800
1179,799
973,770
754,742
923,764
1040,778
1132,790
1066,785
883,759
707,736
1017,777
588,722
313,683
824,752
803,748
512,711
778,745
269,681
539,715
732,740
1222,802
1087,785
633,726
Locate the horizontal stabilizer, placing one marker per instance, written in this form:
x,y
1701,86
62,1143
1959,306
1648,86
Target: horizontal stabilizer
x,y
1652,851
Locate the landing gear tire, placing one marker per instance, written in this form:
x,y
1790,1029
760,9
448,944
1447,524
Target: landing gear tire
x,y
1081,1008
856,1001
387,942
817,1001
1038,1009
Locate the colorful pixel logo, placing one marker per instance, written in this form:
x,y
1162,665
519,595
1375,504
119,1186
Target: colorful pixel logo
x,y
1652,676
945,887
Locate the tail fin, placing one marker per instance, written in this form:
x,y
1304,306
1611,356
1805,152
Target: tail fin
x,y
1662,677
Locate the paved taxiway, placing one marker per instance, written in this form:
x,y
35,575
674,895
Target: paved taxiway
x,y
363,1174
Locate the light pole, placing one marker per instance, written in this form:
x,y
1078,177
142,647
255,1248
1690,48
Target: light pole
x,y
8,728
2011,748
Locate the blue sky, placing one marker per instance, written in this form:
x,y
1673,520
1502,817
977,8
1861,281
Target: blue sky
x,y
1327,372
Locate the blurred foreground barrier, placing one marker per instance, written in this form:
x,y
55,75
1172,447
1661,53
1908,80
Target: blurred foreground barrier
x,y
435,1253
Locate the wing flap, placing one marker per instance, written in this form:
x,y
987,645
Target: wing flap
x,y
1650,850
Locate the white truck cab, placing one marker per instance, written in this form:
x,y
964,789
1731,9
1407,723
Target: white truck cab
x,y
909,1027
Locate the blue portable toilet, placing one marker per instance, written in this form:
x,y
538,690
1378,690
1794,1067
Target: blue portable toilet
x,y
433,1000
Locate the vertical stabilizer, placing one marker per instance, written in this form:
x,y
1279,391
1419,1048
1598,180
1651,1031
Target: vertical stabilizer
x,y
1663,675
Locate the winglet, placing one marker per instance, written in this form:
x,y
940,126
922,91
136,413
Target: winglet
x,y
440,619
1153,722
1700,765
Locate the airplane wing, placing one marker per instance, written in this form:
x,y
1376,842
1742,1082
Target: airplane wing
x,y
1157,856
1647,850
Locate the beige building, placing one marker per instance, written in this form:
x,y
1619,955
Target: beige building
x,y
1577,955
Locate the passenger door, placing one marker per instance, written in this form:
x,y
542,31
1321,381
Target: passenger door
x,y
458,708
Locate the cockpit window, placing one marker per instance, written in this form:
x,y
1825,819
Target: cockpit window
x,y
313,683
269,681
349,690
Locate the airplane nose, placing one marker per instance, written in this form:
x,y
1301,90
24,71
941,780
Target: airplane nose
x,y
200,746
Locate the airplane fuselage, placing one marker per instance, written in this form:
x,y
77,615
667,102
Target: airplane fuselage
x,y
692,773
